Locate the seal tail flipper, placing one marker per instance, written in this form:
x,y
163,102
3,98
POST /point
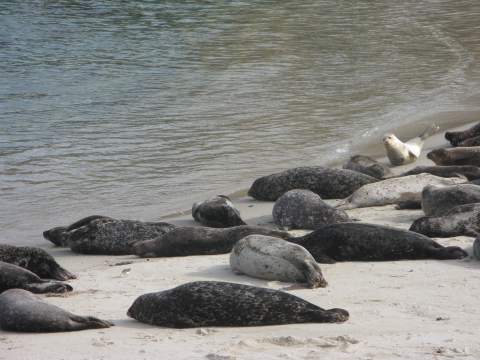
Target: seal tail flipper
x,y
429,131
48,287
88,322
313,274
62,274
345,204
449,253
329,316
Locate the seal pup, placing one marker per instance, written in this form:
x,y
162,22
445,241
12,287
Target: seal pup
x,y
36,260
59,234
217,212
369,242
460,220
456,137
270,258
326,182
437,201
215,303
303,209
470,172
22,311
114,237
393,190
13,276
194,240
456,156
367,165
400,153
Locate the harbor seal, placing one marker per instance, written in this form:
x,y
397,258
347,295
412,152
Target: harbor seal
x,y
369,242
456,137
326,182
459,220
194,240
217,212
456,156
367,165
113,237
215,303
22,311
303,209
470,172
437,201
393,190
36,260
13,276
400,153
270,258
474,141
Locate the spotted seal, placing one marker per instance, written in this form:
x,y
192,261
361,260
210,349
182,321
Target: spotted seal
x,y
456,137
470,172
369,242
326,182
215,303
367,165
217,212
270,258
36,260
184,241
13,276
303,209
437,201
456,156
393,190
22,311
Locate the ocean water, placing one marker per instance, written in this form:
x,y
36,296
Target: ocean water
x,y
134,109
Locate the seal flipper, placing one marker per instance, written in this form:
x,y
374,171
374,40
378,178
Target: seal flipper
x,y
330,315
87,322
313,274
48,287
449,253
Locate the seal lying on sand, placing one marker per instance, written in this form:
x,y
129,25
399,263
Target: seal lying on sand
x,y
437,201
13,276
368,166
460,220
391,191
114,237
400,153
271,258
36,260
184,241
368,242
456,137
470,172
326,182
20,310
303,209
217,212
214,303
456,156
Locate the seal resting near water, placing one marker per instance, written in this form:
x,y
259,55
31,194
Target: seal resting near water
x,y
36,260
437,201
326,182
217,212
394,190
369,242
456,137
470,172
460,220
215,303
401,153
22,311
303,209
367,165
270,258
192,240
456,156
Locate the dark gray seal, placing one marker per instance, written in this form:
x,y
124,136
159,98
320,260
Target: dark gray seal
x,y
185,241
114,237
270,258
13,276
470,172
368,242
326,182
22,311
476,248
367,165
217,212
474,141
459,220
456,137
36,260
59,235
303,209
214,303
456,156
437,201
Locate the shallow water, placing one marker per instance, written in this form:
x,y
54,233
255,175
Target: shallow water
x,y
134,108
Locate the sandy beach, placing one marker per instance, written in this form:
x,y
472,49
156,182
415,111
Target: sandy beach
x,y
424,309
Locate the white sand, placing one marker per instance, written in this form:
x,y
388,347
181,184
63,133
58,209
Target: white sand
x,y
423,309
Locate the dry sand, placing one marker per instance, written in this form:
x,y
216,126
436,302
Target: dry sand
x,y
423,309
